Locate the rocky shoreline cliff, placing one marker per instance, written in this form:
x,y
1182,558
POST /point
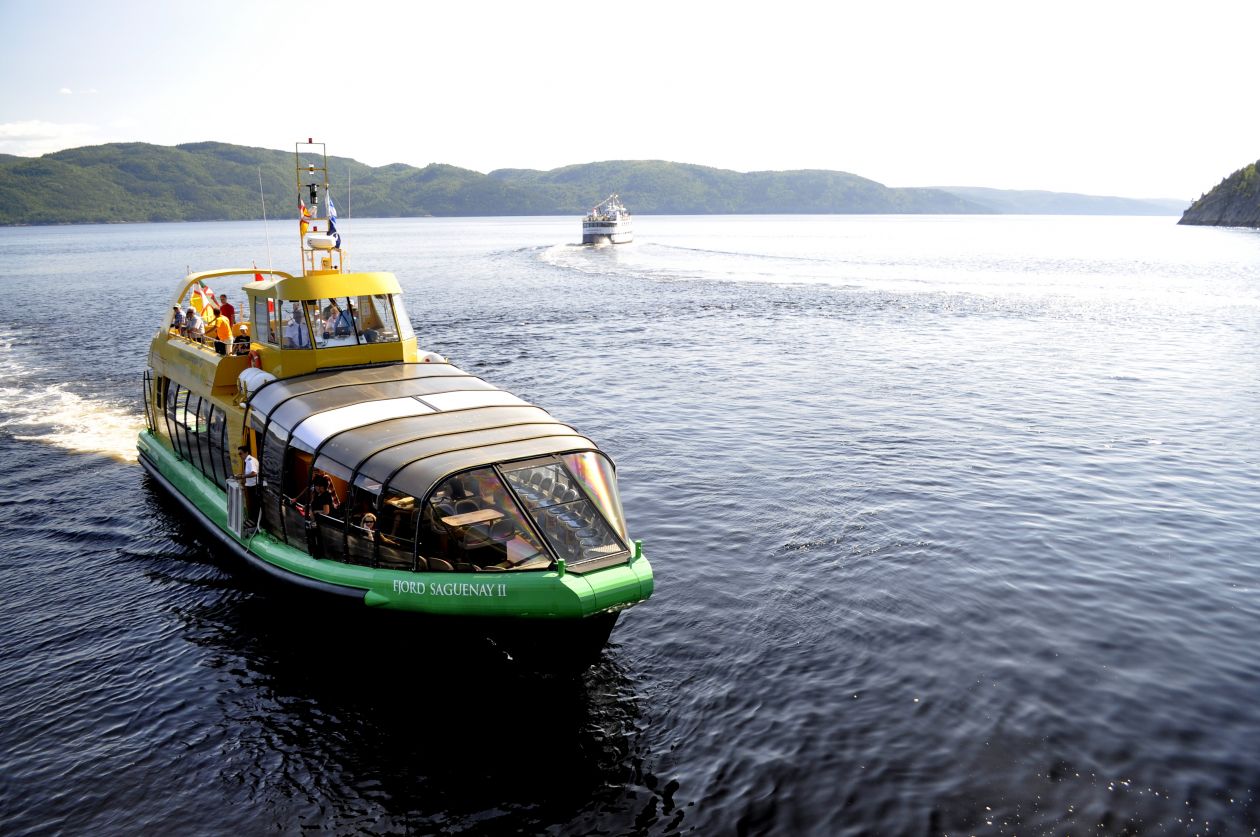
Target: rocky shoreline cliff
x,y
1235,202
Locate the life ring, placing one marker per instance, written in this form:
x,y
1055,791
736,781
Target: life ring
x,y
255,358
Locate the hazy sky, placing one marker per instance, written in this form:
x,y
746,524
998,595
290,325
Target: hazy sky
x,y
1141,99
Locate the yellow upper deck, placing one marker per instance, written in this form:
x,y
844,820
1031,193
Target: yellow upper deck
x,y
286,325
295,325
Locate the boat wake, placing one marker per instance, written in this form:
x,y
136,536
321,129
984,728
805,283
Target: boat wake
x,y
52,414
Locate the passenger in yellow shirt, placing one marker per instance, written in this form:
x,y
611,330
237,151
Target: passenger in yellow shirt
x,y
222,331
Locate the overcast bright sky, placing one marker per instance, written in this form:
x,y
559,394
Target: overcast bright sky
x,y
1140,99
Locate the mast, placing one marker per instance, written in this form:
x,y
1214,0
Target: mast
x,y
318,238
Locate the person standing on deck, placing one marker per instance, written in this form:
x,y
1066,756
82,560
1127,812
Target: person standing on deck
x,y
248,478
221,328
226,309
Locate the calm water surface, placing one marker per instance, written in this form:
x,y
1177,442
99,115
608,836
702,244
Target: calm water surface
x,y
954,523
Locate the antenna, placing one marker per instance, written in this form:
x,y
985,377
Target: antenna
x,y
266,229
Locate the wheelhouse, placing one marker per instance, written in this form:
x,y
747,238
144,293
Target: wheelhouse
x,y
423,467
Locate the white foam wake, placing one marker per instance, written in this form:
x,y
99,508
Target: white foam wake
x,y
56,415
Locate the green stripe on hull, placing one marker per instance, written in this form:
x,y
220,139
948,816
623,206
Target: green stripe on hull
x,y
518,594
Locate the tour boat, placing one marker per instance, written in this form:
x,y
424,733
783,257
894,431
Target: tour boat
x,y
386,476
608,223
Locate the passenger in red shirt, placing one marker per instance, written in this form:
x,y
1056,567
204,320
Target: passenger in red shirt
x,y
226,309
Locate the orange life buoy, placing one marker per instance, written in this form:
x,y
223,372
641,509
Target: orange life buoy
x,y
255,358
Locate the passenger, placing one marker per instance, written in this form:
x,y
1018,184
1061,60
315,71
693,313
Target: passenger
x,y
177,321
248,478
226,309
337,321
368,522
240,346
324,498
193,323
331,316
221,330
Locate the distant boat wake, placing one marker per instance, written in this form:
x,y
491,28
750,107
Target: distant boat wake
x,y
54,415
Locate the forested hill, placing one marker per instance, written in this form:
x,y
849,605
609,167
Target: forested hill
x,y
1234,202
214,181
209,181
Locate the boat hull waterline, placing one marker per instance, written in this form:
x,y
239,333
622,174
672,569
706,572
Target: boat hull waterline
x,y
533,595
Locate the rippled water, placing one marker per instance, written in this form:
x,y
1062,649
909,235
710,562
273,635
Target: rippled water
x,y
954,524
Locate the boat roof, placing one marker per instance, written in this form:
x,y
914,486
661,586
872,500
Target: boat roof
x,y
407,426
320,284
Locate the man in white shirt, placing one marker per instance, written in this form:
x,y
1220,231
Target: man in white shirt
x,y
249,479
295,334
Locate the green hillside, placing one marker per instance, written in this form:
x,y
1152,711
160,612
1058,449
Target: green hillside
x,y
1234,202
123,182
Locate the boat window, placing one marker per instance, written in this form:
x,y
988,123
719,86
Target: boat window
x,y
263,327
327,505
402,318
176,401
296,500
374,319
148,401
189,421
219,446
270,458
201,430
316,319
160,385
472,523
297,333
396,531
595,475
561,509
334,324
360,508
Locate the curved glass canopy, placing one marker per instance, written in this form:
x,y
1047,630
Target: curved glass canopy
x,y
390,437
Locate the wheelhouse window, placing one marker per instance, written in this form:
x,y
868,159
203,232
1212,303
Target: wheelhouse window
x,y
401,318
352,321
296,331
560,507
472,523
334,322
374,319
263,326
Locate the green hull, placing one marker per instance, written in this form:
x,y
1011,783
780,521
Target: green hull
x,y
548,595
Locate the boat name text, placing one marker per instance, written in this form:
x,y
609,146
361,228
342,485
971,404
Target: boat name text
x,y
450,588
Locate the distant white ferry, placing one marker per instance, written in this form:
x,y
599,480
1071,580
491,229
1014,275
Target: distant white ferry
x,y
608,223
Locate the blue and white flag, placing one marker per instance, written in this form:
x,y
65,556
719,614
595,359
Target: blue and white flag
x,y
332,221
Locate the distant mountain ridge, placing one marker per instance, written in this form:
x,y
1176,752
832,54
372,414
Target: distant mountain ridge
x,y
1234,202
1035,202
207,181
